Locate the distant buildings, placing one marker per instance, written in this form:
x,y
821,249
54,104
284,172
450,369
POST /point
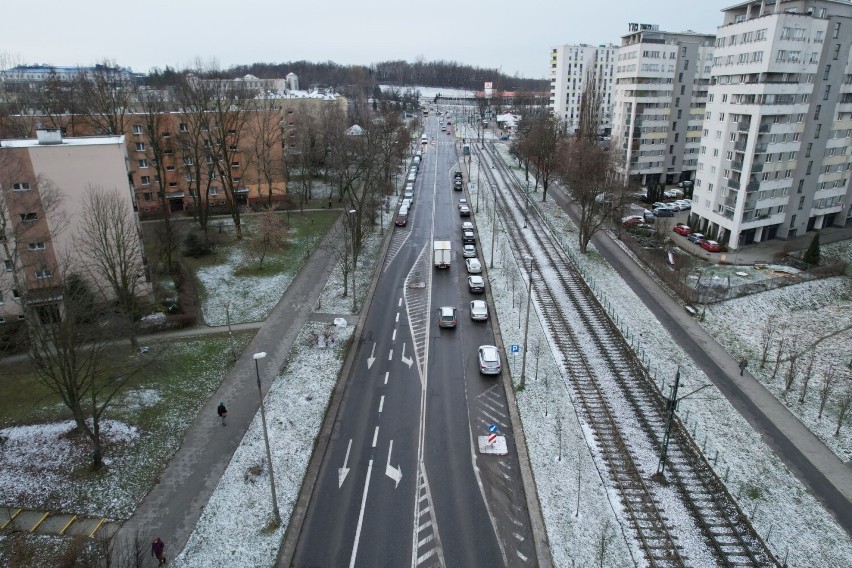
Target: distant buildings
x,y
775,150
569,68
35,74
661,83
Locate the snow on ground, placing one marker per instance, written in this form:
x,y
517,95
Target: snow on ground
x,y
431,92
235,527
778,505
818,317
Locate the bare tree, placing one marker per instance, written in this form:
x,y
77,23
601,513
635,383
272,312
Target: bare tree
x,y
828,381
269,235
603,544
842,408
591,101
540,145
108,240
767,333
806,377
265,152
778,354
793,368
106,97
340,248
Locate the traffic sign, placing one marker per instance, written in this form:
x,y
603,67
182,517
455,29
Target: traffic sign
x,y
492,438
515,348
492,428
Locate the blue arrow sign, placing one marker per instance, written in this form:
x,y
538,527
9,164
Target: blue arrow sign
x,y
492,428
515,348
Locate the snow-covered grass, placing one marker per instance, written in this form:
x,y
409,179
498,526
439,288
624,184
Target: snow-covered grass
x,y
251,293
236,525
43,465
800,527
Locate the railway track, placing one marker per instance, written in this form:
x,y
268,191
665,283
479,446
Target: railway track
x,y
624,409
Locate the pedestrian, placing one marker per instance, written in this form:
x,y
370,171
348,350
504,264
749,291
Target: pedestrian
x,y
222,411
157,547
743,365
329,203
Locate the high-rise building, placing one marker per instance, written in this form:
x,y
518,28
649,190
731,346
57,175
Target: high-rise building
x,y
569,68
775,151
661,82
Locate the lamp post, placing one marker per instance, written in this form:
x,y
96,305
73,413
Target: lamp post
x,y
230,335
493,225
275,512
526,329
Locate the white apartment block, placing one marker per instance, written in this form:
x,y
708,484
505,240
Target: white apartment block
x,y
661,81
569,65
775,152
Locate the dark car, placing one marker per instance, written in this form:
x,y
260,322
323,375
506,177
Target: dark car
x,y
660,212
468,238
458,185
457,175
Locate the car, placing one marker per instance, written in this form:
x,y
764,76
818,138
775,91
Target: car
x,y
443,128
631,220
473,266
478,310
458,185
468,238
688,202
648,215
449,123
457,175
476,284
408,194
660,212
489,360
711,246
659,205
449,131
462,201
504,137
447,316
464,210
467,226
695,238
469,251
682,230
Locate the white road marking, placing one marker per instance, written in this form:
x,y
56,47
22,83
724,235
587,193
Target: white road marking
x,y
394,473
390,355
361,516
372,358
397,317
381,403
375,436
399,303
343,471
387,374
393,337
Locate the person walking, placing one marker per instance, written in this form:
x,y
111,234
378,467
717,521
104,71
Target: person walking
x,y
222,412
157,547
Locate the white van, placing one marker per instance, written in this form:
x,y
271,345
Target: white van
x,y
424,139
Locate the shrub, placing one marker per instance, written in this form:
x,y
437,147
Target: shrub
x,y
195,247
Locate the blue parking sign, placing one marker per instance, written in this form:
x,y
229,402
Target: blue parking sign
x,y
515,348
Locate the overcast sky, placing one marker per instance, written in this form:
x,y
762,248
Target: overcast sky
x,y
513,35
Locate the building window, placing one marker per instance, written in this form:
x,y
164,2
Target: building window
x,y
826,93
7,264
836,32
38,245
29,217
836,53
140,146
137,129
43,274
818,130
235,165
16,294
214,191
146,180
143,164
183,127
808,150
801,202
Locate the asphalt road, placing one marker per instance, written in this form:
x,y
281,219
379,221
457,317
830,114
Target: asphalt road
x,y
402,482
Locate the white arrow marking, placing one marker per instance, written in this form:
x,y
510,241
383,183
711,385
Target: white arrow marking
x,y
361,516
394,473
342,472
372,359
407,360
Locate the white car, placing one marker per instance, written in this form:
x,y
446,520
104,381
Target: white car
x,y
489,360
478,310
473,266
464,211
462,201
469,251
476,284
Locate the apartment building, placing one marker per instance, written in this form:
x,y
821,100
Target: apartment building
x,y
775,156
32,172
661,81
569,68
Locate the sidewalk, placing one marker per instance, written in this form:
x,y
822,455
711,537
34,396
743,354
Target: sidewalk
x,y
173,506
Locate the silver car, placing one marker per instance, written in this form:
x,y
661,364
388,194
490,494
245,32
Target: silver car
x,y
489,360
476,284
473,266
469,251
478,310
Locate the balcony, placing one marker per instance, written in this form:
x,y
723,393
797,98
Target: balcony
x,y
740,146
761,148
757,167
737,165
743,126
752,186
733,183
764,128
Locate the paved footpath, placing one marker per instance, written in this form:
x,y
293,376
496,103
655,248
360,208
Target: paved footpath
x,y
173,506
811,461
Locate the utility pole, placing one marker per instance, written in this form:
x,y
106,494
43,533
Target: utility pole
x,y
671,403
526,329
493,226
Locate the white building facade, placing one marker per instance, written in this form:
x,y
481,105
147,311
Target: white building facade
x,y
569,68
775,152
661,82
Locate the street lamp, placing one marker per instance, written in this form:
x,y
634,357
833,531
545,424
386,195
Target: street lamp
x,y
493,225
526,328
275,512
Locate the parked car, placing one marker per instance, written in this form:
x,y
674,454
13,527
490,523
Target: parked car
x,y
659,205
464,210
684,204
467,226
458,185
462,201
648,215
476,284
632,220
449,130
673,193
489,360
468,238
711,246
478,310
661,212
447,316
457,175
469,251
473,266
695,238
682,230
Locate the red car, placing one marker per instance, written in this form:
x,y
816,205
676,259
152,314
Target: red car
x,y
682,230
711,246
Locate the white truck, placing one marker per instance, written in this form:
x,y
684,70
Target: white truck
x,y
443,254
